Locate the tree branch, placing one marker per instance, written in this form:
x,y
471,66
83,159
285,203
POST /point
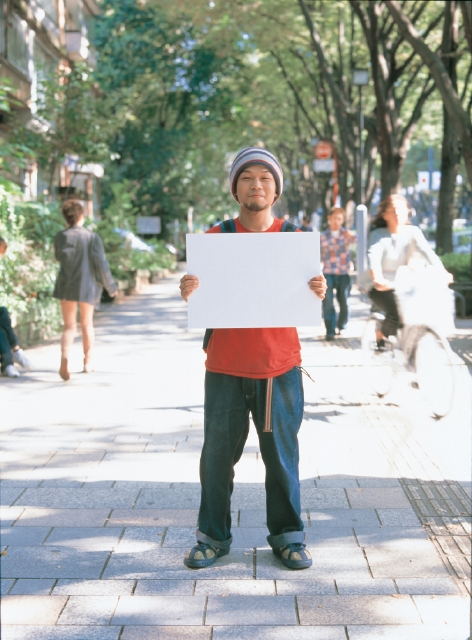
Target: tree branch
x,y
466,7
416,114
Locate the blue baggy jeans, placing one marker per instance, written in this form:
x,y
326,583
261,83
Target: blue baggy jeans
x,y
228,402
342,284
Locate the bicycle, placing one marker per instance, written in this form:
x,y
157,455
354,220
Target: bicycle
x,y
420,345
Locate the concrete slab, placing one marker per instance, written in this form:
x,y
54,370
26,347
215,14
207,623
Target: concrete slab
x,y
257,518
365,587
168,499
235,587
166,633
323,498
378,482
32,517
247,610
5,585
35,587
23,536
378,498
93,587
337,610
8,495
403,537
164,588
407,632
327,563
87,538
59,633
52,562
153,518
88,610
308,587
159,610
405,563
427,586
443,609
343,518
278,633
398,517
62,498
22,610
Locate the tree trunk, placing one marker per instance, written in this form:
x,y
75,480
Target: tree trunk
x,y
391,169
450,153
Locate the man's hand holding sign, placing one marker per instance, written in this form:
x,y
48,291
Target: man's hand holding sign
x,y
253,361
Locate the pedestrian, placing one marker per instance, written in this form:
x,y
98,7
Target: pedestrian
x,y
10,351
336,261
306,224
83,274
253,371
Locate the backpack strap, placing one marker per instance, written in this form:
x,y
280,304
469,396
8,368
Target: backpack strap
x,y
228,226
288,226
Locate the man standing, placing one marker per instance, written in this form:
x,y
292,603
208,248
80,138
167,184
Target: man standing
x,y
336,261
253,371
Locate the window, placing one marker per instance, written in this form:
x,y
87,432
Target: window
x,y
44,66
73,21
17,46
50,8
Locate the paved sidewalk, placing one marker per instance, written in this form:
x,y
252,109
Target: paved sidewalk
x,y
100,496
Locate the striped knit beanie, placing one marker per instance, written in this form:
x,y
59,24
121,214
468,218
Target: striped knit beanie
x,y
255,155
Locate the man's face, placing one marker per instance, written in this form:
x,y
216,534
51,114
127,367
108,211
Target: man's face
x,y
256,188
335,221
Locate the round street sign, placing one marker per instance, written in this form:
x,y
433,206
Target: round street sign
x,y
323,150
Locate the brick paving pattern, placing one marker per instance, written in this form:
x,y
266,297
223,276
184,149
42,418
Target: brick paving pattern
x,y
100,499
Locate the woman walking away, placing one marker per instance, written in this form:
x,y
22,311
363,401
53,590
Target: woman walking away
x,y
392,243
83,274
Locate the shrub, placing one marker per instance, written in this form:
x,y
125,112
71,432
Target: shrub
x,y
458,264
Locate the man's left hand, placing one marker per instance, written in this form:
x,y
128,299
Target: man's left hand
x,y
318,285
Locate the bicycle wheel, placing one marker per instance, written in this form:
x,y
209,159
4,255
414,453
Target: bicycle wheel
x,y
379,365
435,373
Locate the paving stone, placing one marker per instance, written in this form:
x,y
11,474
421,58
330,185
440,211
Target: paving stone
x,y
278,633
235,587
5,585
407,632
32,517
166,633
62,498
182,537
343,518
325,610
23,536
168,499
31,609
163,564
53,483
59,633
249,495
18,483
326,498
307,587
378,498
248,610
93,588
403,537
327,537
258,518
159,610
164,588
366,587
398,517
443,609
378,482
327,563
153,518
142,484
85,610
34,587
8,515
244,538
8,495
142,538
341,483
52,562
89,538
427,586
405,563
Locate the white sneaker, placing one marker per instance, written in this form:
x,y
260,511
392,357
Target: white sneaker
x,y
20,358
11,372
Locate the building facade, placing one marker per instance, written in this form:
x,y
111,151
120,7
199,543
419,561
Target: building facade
x,y
36,36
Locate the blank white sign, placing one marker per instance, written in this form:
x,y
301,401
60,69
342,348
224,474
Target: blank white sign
x,y
250,280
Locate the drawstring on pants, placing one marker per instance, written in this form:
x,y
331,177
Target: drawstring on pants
x,y
268,406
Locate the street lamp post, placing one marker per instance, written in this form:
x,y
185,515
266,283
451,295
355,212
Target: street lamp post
x,y
360,77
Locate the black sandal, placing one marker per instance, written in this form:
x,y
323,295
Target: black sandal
x,y
203,555
294,555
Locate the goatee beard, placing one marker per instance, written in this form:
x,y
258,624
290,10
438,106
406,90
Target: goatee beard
x,y
255,206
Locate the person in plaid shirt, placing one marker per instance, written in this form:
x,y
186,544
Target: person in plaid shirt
x,y
336,261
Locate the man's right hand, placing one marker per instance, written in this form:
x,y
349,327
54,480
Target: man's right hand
x,y
188,284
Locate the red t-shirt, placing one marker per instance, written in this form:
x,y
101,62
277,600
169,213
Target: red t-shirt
x,y
253,353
